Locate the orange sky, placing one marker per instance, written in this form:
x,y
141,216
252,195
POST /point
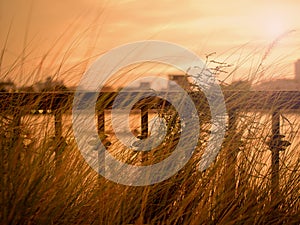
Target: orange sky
x,y
240,32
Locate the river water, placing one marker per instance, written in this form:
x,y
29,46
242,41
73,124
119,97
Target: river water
x,y
255,133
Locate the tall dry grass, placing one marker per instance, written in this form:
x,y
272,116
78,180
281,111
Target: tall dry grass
x,y
39,187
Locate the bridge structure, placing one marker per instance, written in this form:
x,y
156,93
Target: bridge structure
x,y
57,103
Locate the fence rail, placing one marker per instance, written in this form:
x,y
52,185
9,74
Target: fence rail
x,y
247,100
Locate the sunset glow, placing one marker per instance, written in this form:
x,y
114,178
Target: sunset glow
x,y
86,29
274,23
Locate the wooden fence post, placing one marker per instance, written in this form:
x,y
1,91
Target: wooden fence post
x,y
101,122
275,155
232,151
101,157
102,136
144,129
232,144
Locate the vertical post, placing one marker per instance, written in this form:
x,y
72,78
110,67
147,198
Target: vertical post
x,y
144,129
101,134
144,158
275,155
144,122
232,147
101,122
102,199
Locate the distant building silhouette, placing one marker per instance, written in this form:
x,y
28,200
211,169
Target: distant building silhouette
x,y
297,70
239,85
7,86
282,84
181,80
50,85
145,85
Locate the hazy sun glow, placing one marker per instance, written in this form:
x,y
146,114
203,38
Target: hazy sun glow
x,y
273,24
275,28
88,28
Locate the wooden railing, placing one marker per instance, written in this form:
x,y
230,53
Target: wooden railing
x,y
273,102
